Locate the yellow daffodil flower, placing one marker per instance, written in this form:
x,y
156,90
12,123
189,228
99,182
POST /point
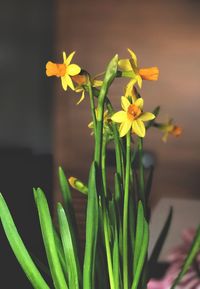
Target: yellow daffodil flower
x,y
170,128
150,73
82,80
132,117
64,70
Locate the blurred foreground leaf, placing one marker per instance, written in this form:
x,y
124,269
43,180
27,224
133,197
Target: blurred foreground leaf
x,y
49,241
19,249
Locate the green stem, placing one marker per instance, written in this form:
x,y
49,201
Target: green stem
x,y
108,79
108,252
118,149
92,106
141,173
103,166
125,212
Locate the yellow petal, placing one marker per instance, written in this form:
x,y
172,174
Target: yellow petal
x,y
64,57
72,182
146,116
165,137
91,125
138,128
73,69
106,113
124,128
69,82
139,103
120,116
66,80
125,103
130,88
78,89
124,65
139,81
133,56
97,83
82,97
69,58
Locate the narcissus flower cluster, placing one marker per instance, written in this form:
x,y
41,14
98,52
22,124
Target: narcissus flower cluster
x,y
132,117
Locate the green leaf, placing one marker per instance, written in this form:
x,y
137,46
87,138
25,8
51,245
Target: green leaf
x,y
116,260
68,206
60,252
142,256
132,226
19,249
65,190
117,188
139,235
149,184
68,247
49,241
91,231
194,250
160,242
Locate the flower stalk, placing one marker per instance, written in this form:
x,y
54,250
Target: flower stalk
x,y
114,255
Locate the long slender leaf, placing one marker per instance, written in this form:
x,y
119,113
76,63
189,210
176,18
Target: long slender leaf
x,y
60,252
66,193
160,242
117,188
49,241
69,209
194,250
116,260
149,183
19,249
139,235
69,252
142,257
91,231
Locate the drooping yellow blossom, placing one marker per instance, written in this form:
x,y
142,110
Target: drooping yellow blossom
x,y
170,128
150,73
82,80
63,70
132,117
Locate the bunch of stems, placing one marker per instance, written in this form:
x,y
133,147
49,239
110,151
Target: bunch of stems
x,y
117,221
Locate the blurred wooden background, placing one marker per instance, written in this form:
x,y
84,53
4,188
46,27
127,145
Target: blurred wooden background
x,y
162,33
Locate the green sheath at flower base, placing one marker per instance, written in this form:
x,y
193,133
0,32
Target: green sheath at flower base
x,y
110,74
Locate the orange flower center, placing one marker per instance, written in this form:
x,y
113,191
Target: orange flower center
x,y
133,111
176,131
150,73
55,69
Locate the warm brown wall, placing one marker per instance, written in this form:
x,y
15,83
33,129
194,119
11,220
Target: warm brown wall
x,y
162,33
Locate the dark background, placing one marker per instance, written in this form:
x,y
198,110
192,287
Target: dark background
x,y
26,121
